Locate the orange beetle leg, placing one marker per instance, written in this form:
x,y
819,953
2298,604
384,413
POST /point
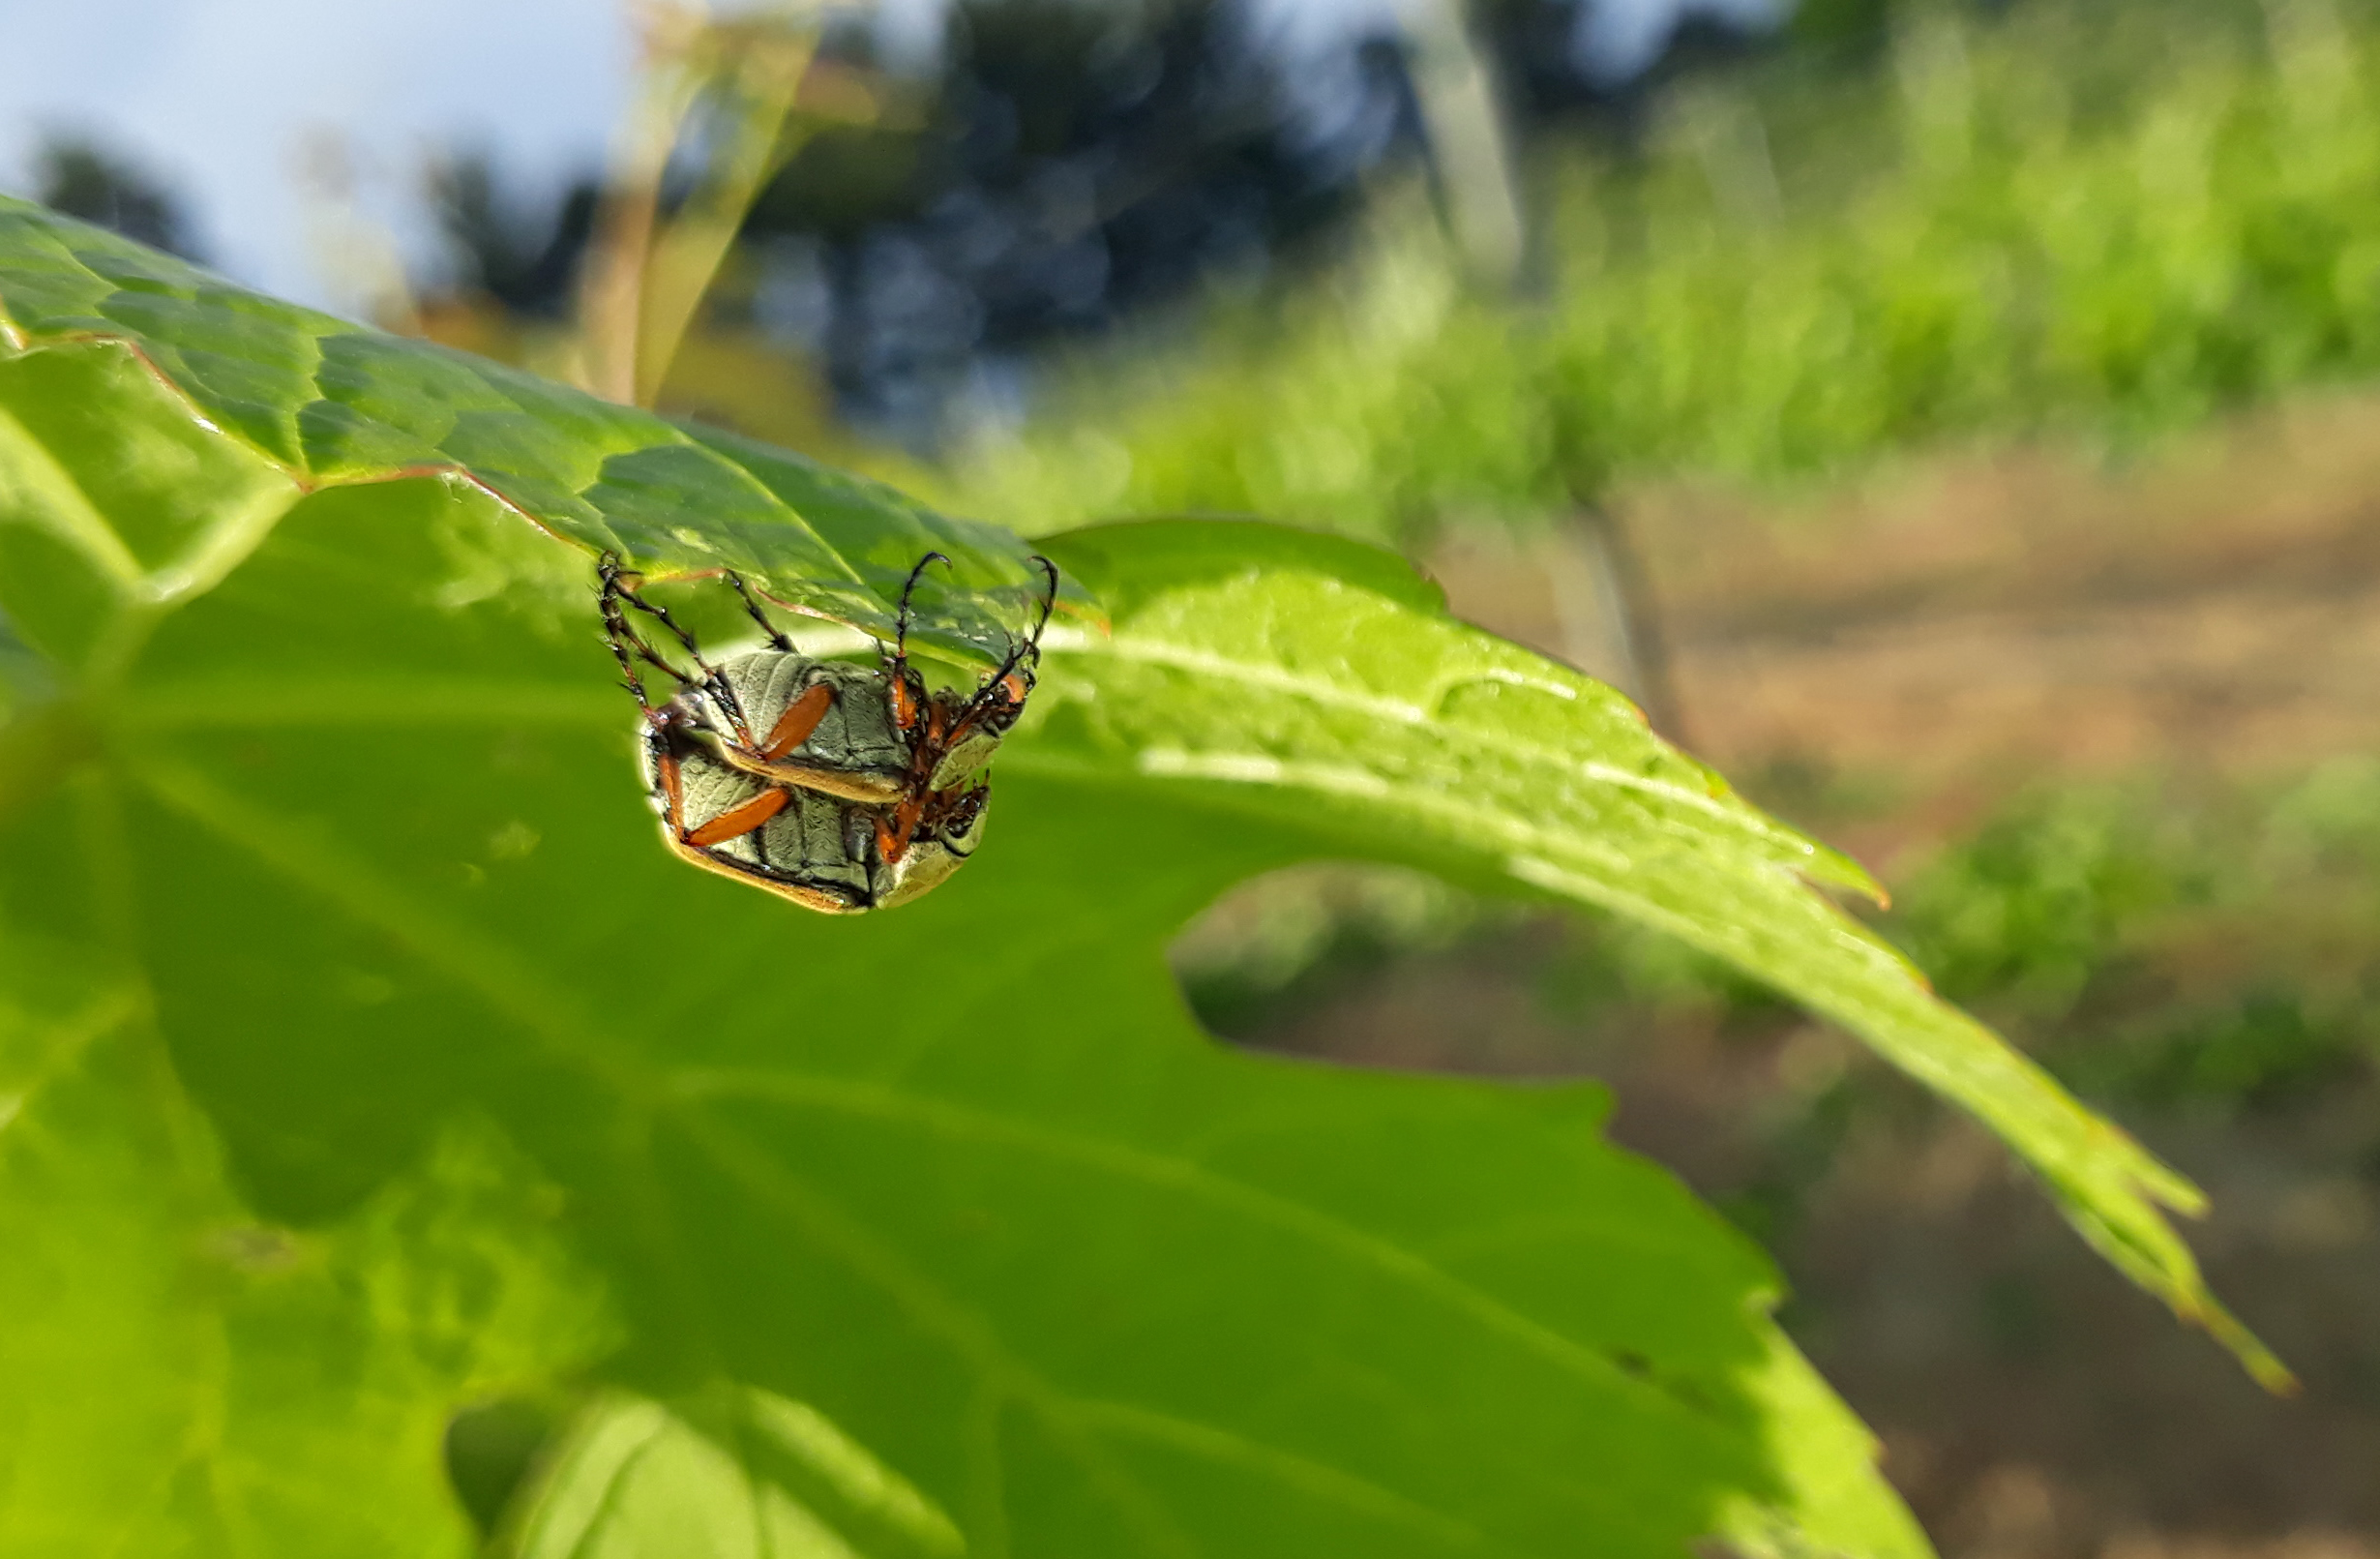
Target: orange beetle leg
x,y
894,834
672,788
739,820
800,718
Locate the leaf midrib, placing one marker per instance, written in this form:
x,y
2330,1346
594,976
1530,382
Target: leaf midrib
x,y
233,703
1128,647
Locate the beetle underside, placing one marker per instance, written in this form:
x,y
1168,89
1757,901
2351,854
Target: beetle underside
x,y
841,787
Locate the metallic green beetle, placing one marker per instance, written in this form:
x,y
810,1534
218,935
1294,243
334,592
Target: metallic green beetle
x,y
820,852
771,766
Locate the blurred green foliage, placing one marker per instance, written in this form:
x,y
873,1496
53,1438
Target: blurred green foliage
x,y
2101,220
2159,948
2154,944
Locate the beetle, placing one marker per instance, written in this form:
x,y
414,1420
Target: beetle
x,y
878,737
883,752
819,851
950,737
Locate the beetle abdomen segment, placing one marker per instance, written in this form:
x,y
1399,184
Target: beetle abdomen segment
x,y
839,786
851,748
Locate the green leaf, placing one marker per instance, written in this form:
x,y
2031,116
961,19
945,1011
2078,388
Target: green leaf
x,y
739,1473
1275,687
324,402
183,1378
330,769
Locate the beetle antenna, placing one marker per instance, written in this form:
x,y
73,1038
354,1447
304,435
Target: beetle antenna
x,y
1048,600
900,620
1028,651
779,639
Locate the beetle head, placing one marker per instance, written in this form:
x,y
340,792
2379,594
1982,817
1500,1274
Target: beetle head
x,y
1000,700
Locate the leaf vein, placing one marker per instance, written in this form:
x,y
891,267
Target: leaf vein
x,y
1175,1174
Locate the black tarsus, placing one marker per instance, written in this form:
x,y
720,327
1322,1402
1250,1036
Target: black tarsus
x,y
609,569
1048,600
901,619
775,638
624,638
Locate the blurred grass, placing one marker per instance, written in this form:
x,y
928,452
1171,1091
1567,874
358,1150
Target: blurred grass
x,y
2098,225
2161,948
2098,221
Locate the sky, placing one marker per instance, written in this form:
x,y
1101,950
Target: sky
x,y
226,102
243,107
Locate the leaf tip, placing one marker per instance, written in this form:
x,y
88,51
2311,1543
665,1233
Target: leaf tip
x,y
2262,1365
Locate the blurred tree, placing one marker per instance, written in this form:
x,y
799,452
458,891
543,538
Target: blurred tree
x,y
1072,160
524,257
84,179
1063,165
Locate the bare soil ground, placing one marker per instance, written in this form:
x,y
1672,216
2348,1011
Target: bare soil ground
x,y
1968,621
1948,633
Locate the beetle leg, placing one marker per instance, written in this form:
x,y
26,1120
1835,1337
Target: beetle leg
x,y
775,638
661,615
801,717
908,699
844,784
895,831
1049,599
906,690
739,820
672,789
616,591
628,646
809,895
628,678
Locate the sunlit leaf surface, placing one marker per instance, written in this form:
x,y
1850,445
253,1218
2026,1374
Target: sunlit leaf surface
x,y
310,400
738,1473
